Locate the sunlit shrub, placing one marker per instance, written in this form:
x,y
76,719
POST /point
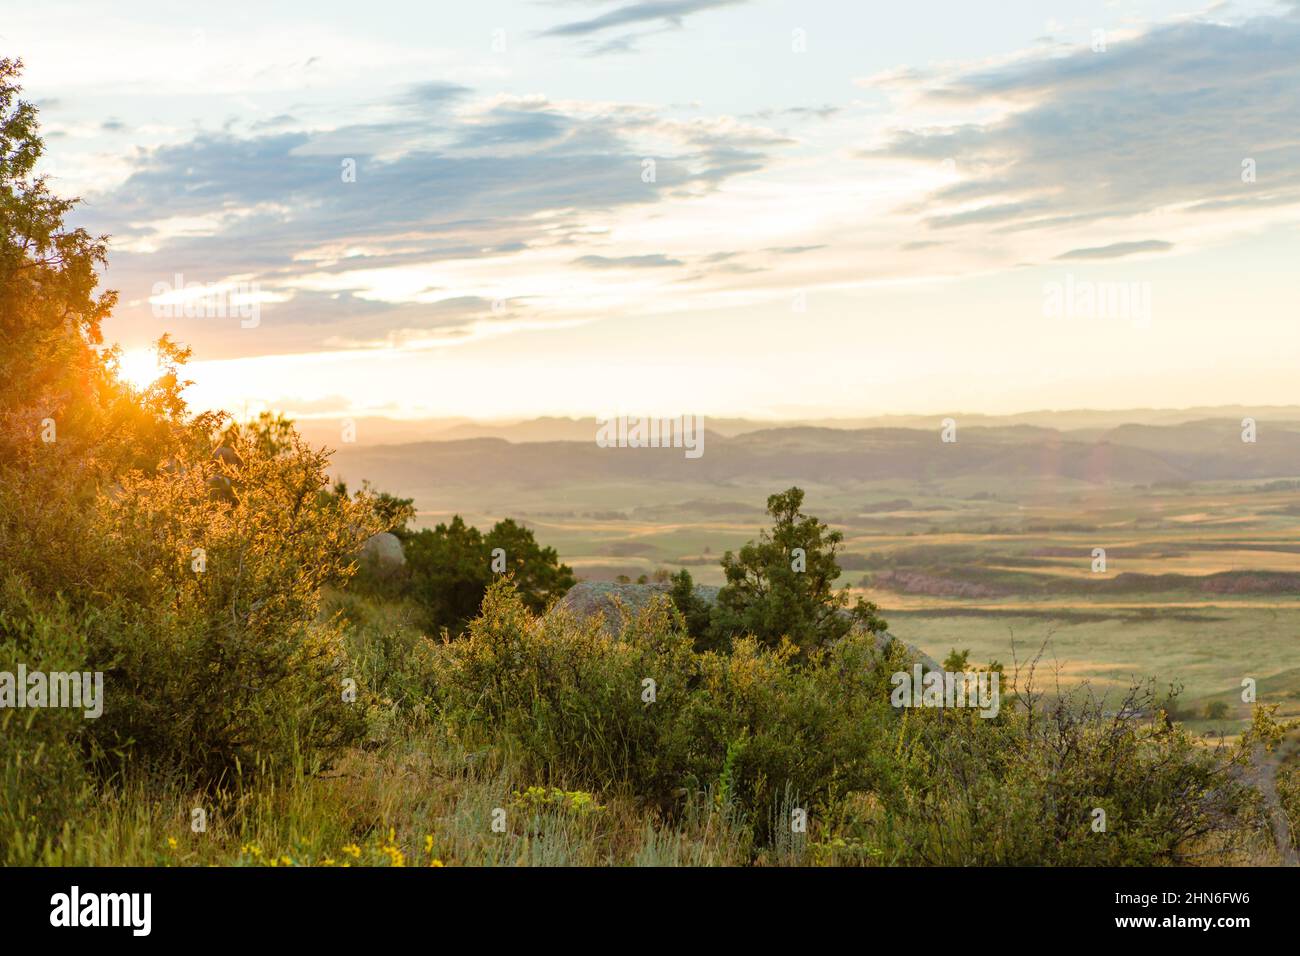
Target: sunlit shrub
x,y
769,731
642,712
211,641
203,615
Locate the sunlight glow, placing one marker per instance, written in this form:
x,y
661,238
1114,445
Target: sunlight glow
x,y
139,367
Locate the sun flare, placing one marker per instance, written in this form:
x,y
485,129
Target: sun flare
x,y
139,367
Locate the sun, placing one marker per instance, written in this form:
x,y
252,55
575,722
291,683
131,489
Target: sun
x,y
139,367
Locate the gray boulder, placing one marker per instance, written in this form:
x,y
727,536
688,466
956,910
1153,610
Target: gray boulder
x,y
614,602
383,551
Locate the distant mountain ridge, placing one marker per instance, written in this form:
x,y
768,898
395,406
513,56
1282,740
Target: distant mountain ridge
x,y
376,430
1208,449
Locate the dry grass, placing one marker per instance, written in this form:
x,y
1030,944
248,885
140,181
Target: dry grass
x,y
420,802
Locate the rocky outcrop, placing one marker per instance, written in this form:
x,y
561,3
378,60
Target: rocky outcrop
x,y
615,603
383,551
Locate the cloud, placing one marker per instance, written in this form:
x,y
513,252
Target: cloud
x,y
452,229
795,250
670,12
510,126
1162,121
435,93
985,214
651,16
1118,249
627,262
800,112
279,121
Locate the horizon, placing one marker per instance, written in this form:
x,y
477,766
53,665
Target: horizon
x,y
376,431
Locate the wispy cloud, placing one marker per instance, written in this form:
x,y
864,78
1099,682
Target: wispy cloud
x,y
1117,250
633,22
670,12
458,229
656,261
1165,119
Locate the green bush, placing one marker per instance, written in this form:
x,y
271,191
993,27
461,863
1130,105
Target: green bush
x,y
1024,789
203,616
42,778
1288,791
575,700
449,569
212,644
386,647
571,696
765,729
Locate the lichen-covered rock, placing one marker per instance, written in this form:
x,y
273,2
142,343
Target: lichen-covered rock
x,y
592,598
615,603
384,551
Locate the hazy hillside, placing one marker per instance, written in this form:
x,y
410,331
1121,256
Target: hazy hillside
x,y
1192,451
377,430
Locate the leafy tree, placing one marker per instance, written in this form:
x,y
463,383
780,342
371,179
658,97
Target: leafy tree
x,y
272,432
783,584
538,575
957,662
53,365
451,567
393,512
1216,710
695,611
449,572
203,615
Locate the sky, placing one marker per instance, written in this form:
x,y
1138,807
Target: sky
x,y
751,208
